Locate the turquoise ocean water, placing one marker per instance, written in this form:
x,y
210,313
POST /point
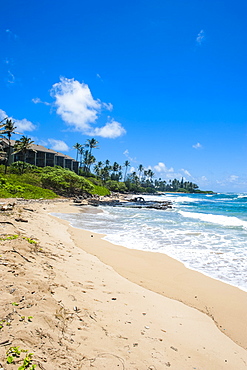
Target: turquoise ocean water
x,y
208,233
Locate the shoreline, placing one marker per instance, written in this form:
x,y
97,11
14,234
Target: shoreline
x,y
95,303
179,282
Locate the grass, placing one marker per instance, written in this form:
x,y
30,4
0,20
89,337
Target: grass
x,y
23,186
29,185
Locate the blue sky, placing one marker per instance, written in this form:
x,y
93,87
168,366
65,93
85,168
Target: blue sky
x,y
161,83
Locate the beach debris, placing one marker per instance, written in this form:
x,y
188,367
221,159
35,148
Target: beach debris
x,y
114,299
15,251
20,219
135,344
174,349
5,343
28,209
7,207
147,327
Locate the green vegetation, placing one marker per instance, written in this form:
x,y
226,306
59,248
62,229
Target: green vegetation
x,y
46,183
14,356
64,181
14,186
28,181
9,237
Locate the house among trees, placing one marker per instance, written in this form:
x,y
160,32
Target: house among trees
x,y
40,156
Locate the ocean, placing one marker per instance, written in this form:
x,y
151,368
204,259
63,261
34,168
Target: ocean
x,y
206,232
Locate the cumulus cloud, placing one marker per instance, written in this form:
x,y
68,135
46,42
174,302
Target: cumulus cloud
x,y
75,103
21,125
161,168
111,130
78,109
200,37
58,145
24,125
197,146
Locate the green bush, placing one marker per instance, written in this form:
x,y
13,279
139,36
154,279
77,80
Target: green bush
x,y
64,181
100,190
10,187
116,186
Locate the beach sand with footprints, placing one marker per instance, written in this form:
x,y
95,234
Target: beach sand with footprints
x,y
78,302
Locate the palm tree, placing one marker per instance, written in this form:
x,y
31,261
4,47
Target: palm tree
x,y
77,146
140,169
23,145
126,165
3,124
9,130
91,144
150,174
91,160
81,152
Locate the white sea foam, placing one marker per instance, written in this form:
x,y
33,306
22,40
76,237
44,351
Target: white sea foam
x,y
241,196
217,219
214,244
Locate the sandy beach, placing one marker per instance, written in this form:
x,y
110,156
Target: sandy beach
x,y
79,302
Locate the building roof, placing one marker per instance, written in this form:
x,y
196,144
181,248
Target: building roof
x,y
39,148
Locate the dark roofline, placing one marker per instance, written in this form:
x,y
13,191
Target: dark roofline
x,y
41,148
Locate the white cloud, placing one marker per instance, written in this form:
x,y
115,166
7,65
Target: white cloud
x,y
200,37
77,107
197,146
11,78
21,125
126,153
99,76
186,172
161,168
24,125
108,106
111,130
2,115
233,178
11,34
39,101
75,103
58,145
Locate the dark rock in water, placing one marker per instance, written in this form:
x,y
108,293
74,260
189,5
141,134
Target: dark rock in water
x,y
138,202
